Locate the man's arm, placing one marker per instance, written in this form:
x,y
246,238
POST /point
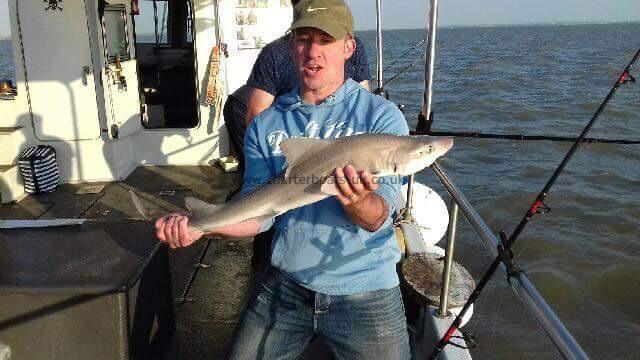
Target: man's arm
x,y
173,229
370,213
259,100
365,84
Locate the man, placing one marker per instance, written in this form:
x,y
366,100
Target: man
x,y
274,74
333,262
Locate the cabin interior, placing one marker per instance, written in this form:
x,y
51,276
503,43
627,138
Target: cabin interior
x,y
166,63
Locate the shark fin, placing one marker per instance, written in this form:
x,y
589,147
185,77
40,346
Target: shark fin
x,y
329,186
138,204
262,219
199,207
295,149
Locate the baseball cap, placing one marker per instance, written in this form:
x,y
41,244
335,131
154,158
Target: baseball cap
x,y
330,16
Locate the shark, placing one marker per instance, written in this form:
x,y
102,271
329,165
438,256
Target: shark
x,y
308,178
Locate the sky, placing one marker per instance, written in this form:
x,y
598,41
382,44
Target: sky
x,y
412,14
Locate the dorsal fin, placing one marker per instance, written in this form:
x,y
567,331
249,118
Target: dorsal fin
x,y
297,148
198,207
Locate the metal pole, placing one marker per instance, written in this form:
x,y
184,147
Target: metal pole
x,y
448,259
406,213
430,59
542,312
379,45
428,85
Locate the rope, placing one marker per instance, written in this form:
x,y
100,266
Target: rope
x,y
24,68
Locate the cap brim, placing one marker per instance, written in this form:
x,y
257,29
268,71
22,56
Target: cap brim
x,y
331,27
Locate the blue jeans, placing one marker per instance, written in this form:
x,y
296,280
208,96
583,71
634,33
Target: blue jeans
x,y
282,317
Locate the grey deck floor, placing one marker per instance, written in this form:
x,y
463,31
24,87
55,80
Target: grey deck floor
x,y
205,325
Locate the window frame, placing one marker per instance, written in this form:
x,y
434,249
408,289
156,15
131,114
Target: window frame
x,y
123,10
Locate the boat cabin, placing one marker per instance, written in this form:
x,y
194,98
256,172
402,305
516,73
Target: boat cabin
x,y
113,85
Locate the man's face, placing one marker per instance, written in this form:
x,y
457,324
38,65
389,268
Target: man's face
x,y
319,59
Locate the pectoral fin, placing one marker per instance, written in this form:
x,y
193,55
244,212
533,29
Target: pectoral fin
x,y
199,207
138,204
329,186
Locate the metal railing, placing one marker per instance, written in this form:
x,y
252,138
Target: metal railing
x,y
542,312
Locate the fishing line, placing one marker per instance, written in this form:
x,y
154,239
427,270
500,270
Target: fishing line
x,y
401,57
403,70
504,248
494,324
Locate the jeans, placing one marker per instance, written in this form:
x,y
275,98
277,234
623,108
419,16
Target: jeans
x,y
282,317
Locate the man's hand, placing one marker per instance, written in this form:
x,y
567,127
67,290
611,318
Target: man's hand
x,y
173,230
357,196
354,187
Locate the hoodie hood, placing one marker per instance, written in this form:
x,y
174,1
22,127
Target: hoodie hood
x,y
292,100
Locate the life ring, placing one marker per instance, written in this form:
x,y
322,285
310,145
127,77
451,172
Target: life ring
x,y
429,211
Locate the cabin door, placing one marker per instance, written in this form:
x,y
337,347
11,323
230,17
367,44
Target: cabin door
x,y
57,55
120,78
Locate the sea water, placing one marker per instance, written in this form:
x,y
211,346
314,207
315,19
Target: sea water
x,y
539,80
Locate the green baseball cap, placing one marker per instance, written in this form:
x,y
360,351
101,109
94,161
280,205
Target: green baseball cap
x,y
330,16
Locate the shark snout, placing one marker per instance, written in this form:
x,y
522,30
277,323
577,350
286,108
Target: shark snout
x,y
445,143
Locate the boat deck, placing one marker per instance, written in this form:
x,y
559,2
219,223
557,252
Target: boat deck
x,y
205,323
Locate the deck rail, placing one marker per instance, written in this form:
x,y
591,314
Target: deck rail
x,y
524,289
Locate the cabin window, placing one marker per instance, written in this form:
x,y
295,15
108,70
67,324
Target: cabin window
x,y
152,21
115,24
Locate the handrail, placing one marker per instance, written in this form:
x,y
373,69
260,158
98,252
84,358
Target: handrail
x,y
542,312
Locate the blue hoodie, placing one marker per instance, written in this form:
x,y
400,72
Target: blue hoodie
x,y
318,245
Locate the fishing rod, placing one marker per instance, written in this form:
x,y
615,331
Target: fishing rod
x,y
538,207
478,135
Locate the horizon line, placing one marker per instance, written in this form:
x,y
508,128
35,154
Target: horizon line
x,y
559,23
450,26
